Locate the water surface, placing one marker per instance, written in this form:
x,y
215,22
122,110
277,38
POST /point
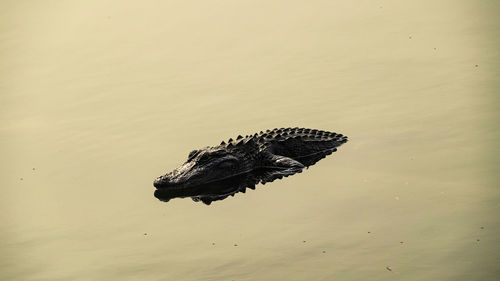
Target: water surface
x,y
97,98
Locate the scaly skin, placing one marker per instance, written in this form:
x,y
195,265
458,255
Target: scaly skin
x,y
281,152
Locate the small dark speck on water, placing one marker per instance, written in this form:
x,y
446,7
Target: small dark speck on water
x,y
145,234
401,242
236,245
213,243
324,252
388,268
482,227
477,65
409,37
369,232
304,241
21,178
33,169
478,240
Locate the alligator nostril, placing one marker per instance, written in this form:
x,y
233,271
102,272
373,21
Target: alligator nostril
x,y
158,182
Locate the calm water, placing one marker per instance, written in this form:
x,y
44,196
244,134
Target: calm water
x,y
97,98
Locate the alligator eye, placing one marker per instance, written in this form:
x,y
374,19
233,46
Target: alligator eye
x,y
204,157
226,164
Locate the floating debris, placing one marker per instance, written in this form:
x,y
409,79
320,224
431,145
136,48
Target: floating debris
x,y
21,178
145,233
324,252
304,241
236,245
388,268
478,240
401,242
482,227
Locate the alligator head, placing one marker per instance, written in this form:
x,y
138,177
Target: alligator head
x,y
203,166
213,191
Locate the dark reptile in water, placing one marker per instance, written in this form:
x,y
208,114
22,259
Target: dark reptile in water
x,y
214,173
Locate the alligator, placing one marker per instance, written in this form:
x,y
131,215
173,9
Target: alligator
x,y
214,173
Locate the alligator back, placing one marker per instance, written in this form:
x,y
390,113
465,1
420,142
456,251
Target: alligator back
x,y
304,145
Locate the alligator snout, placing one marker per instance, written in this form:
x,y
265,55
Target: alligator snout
x,y
178,177
168,181
158,183
164,181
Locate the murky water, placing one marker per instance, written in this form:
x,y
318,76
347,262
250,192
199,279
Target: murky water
x,y
97,98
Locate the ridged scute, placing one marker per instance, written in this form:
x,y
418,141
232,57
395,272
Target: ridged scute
x,y
293,142
303,133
